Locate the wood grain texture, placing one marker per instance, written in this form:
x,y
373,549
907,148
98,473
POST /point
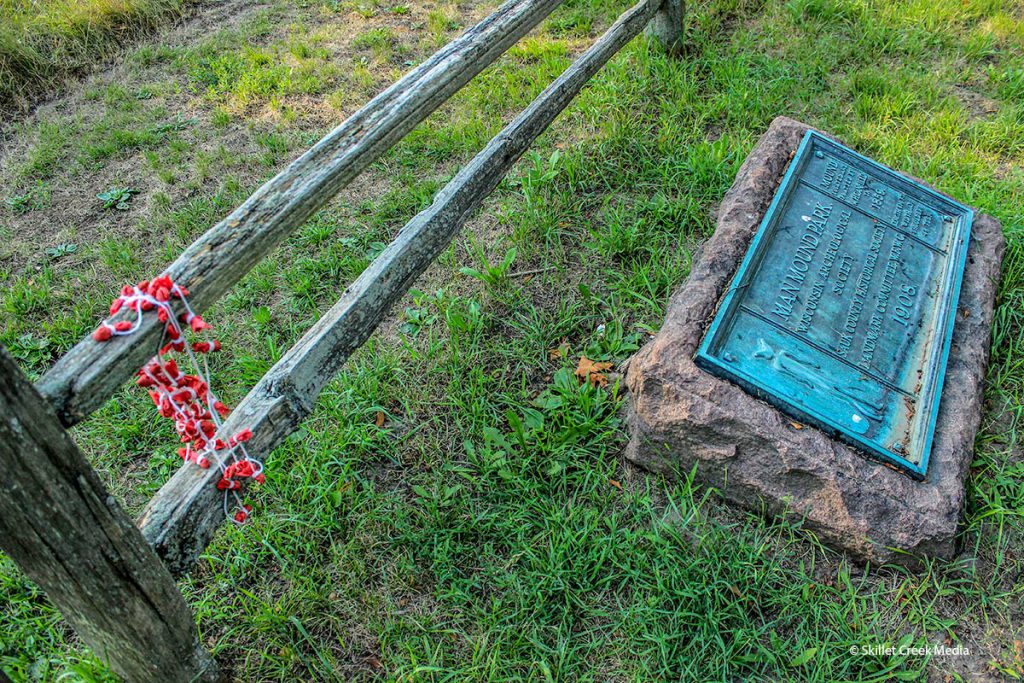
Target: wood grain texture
x,y
84,378
68,534
667,26
180,520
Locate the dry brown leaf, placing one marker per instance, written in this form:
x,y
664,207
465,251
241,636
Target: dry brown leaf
x,y
735,591
560,351
380,418
593,372
796,425
615,484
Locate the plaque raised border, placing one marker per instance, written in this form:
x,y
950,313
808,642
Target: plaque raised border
x,y
842,310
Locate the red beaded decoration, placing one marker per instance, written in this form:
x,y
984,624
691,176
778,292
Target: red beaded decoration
x,y
186,398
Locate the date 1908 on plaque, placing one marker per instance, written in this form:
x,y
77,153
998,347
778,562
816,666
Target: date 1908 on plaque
x,y
842,310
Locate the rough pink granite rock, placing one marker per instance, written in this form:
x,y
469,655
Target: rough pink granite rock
x,y
681,417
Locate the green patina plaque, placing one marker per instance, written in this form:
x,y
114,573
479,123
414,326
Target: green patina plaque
x,y
842,311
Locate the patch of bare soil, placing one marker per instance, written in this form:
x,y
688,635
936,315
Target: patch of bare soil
x,y
977,105
202,18
71,213
206,152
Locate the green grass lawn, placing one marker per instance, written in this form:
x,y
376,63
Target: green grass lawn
x,y
42,42
488,529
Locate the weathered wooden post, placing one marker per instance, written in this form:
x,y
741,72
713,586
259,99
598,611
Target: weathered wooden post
x,y
59,524
667,25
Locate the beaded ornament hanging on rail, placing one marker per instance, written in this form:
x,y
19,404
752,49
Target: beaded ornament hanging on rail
x,y
186,398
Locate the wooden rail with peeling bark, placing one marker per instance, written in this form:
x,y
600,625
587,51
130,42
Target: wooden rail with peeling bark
x,y
89,374
182,517
56,520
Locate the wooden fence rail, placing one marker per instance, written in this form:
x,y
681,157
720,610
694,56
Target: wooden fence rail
x,y
181,518
60,525
87,375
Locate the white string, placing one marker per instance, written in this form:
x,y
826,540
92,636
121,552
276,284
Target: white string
x,y
210,453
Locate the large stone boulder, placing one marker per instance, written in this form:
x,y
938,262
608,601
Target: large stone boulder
x,y
681,417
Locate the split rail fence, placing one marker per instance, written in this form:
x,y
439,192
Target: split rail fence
x,y
112,578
